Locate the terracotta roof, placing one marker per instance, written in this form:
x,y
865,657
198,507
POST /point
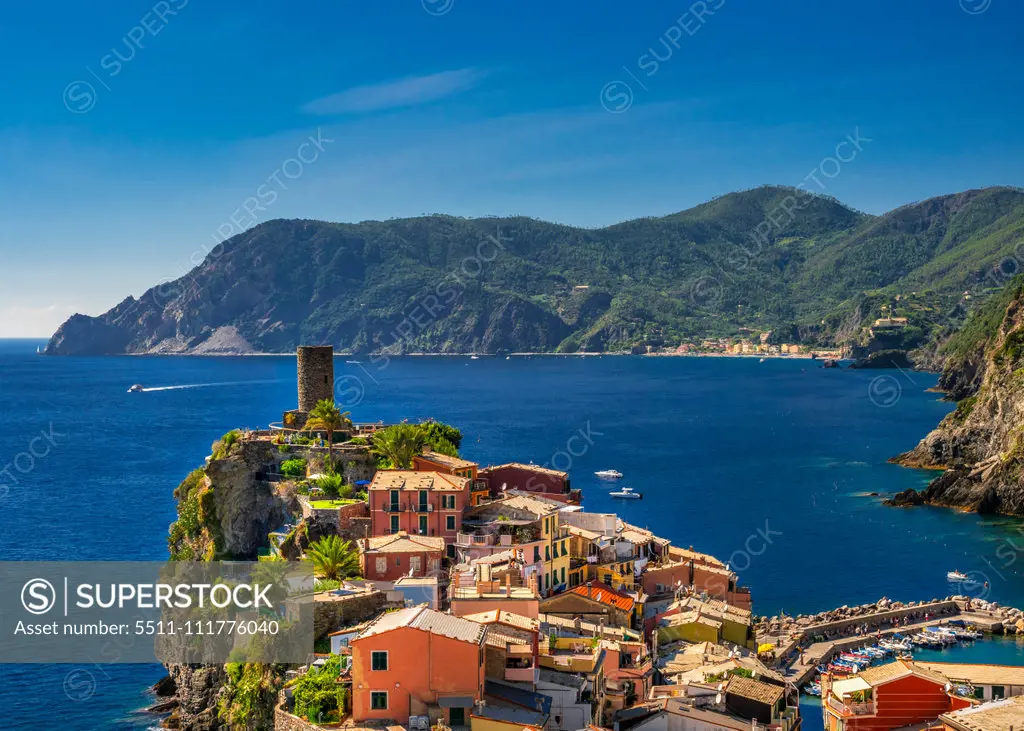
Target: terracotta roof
x,y
416,480
977,674
497,638
694,616
503,616
899,669
755,690
605,595
427,620
715,608
403,543
455,463
633,534
529,467
540,508
590,535
687,554
1002,715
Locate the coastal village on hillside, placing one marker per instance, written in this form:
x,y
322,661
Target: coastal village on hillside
x,y
452,595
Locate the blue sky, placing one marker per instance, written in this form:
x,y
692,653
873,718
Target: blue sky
x,y
131,134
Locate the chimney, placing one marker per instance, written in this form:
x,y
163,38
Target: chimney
x,y
577,623
508,585
590,590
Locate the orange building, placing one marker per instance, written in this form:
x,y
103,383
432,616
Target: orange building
x,y
890,696
418,662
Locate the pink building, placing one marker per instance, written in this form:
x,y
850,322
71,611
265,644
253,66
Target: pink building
x,y
418,503
552,484
390,557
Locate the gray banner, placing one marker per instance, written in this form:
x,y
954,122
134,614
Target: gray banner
x,y
143,612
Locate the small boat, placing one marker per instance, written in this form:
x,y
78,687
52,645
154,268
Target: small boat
x,y
508,357
474,357
608,474
761,361
956,576
353,362
830,363
627,493
136,388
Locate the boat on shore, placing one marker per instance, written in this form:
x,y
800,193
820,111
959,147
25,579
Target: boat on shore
x,y
627,493
608,474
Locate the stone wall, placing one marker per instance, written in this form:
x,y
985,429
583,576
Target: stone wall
x,y
354,521
284,721
332,613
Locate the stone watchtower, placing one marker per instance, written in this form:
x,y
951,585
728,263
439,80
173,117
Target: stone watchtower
x,y
316,382
316,375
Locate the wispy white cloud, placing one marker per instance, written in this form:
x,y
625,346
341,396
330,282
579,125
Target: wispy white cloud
x,y
407,92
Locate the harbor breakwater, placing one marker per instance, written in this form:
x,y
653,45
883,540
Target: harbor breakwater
x,y
804,641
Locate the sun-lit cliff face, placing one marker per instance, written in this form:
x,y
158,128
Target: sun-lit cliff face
x,y
981,444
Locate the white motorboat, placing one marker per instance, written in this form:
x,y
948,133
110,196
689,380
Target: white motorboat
x,y
608,474
627,493
136,388
956,576
474,357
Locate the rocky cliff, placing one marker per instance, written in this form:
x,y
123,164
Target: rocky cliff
x,y
225,511
980,446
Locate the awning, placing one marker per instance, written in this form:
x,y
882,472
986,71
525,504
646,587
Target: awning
x,y
846,687
456,701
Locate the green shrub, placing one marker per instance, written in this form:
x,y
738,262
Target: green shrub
x,y
332,484
436,430
317,692
294,467
222,447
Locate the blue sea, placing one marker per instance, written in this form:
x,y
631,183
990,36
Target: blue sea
x,y
768,465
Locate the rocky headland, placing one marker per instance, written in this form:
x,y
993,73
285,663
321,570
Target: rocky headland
x,y
980,446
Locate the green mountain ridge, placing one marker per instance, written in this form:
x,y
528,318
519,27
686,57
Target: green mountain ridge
x,y
773,257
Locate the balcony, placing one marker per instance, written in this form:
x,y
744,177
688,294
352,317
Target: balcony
x,y
468,540
393,508
851,708
423,508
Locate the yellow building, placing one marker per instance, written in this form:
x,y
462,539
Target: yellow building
x,y
689,626
617,574
693,620
539,539
556,551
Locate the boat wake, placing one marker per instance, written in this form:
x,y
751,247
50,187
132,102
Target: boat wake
x,y
147,389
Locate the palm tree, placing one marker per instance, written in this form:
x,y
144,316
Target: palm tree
x,y
334,558
326,417
399,443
